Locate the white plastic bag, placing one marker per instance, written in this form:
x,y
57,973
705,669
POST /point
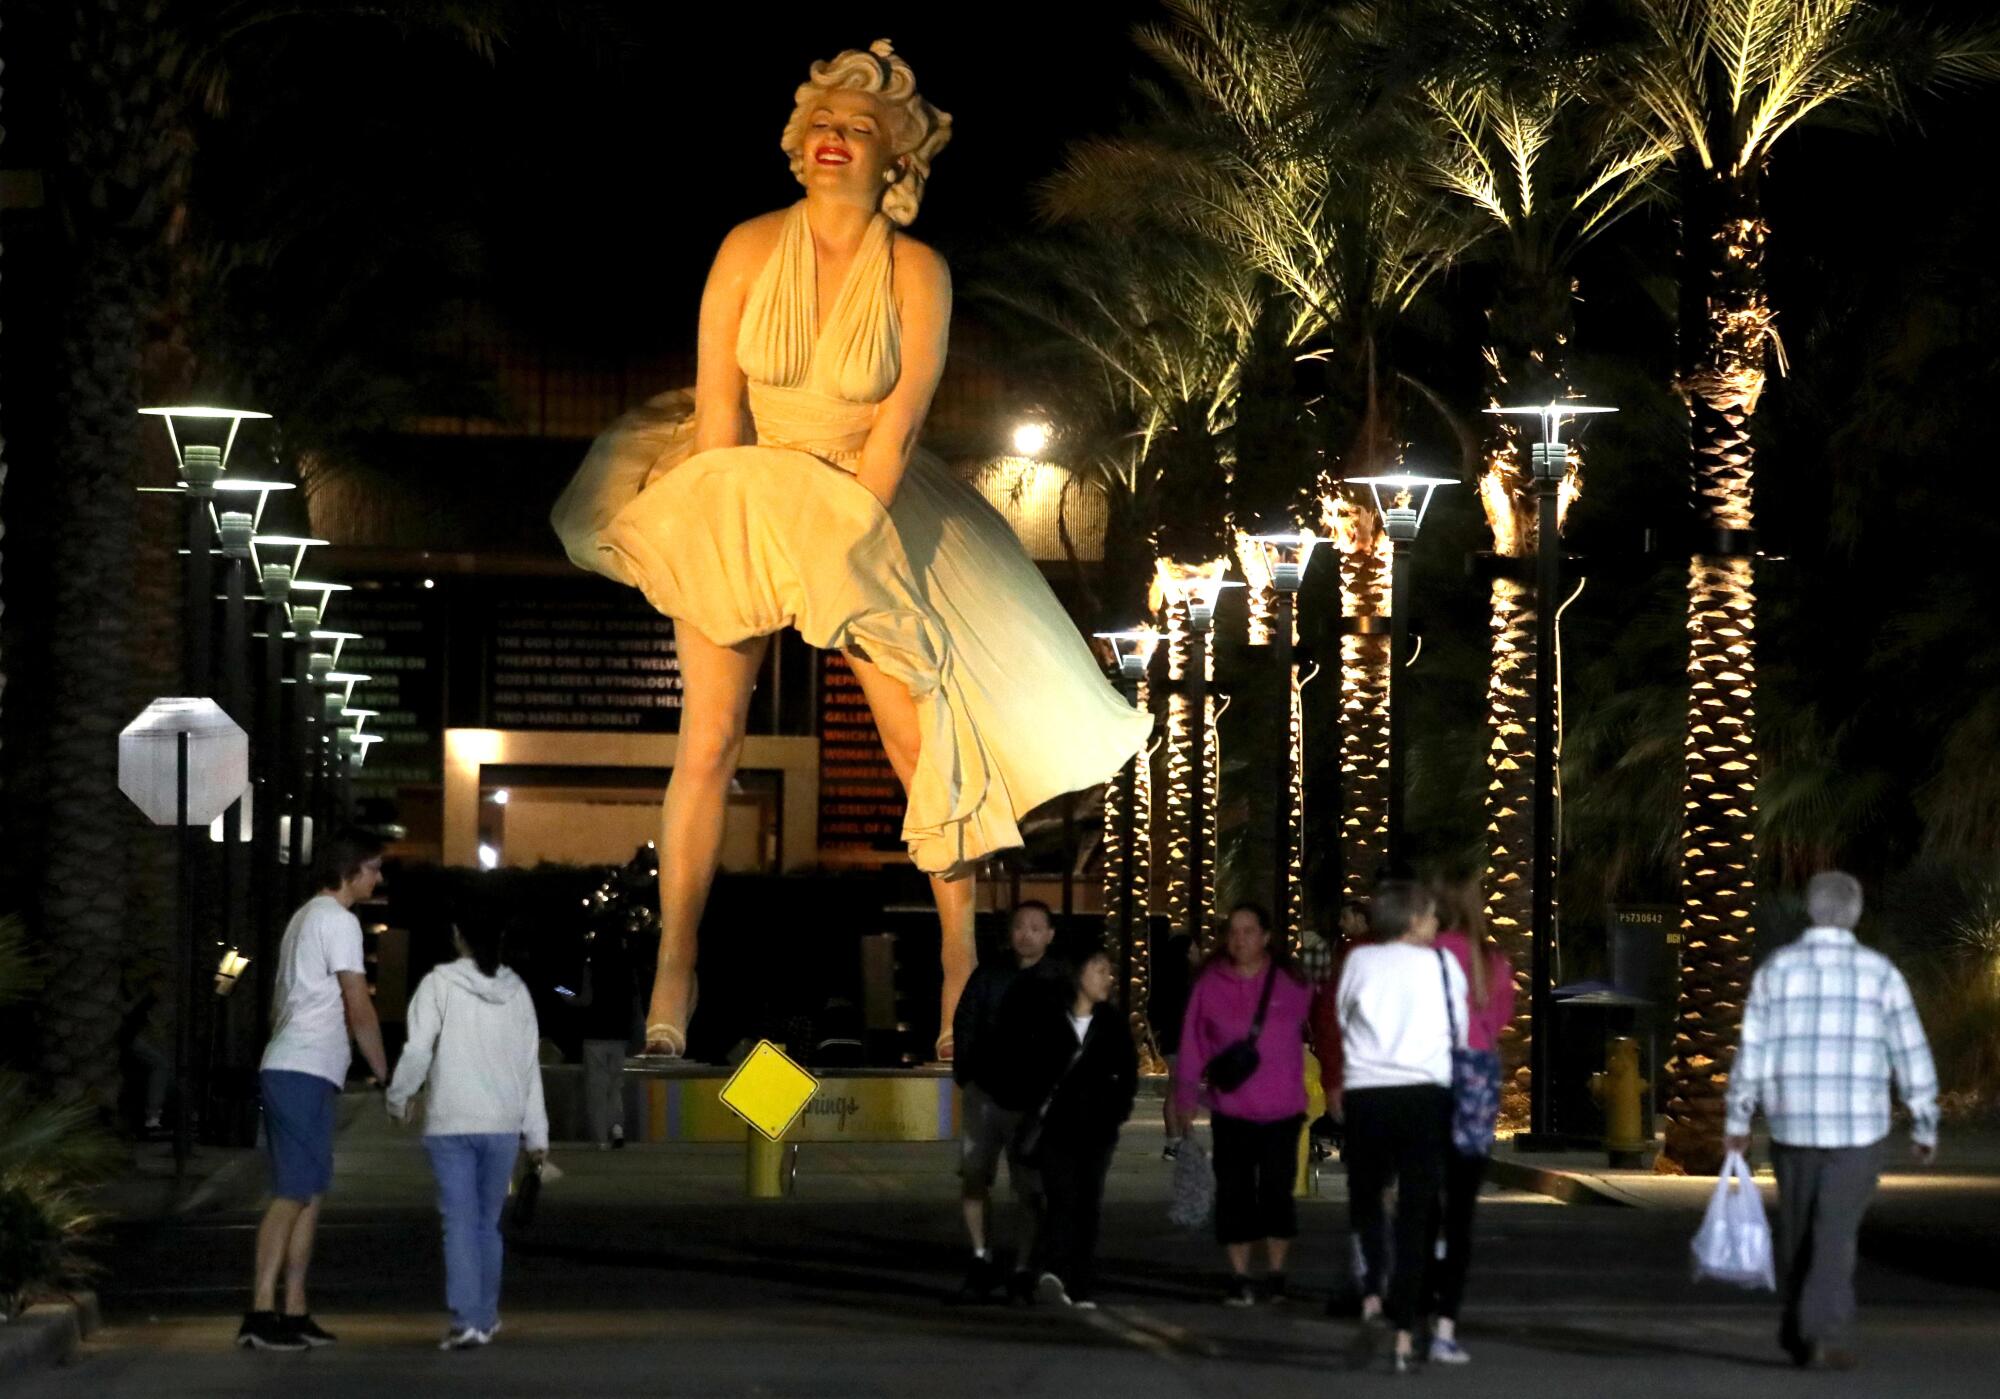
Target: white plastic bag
x,y
1733,1244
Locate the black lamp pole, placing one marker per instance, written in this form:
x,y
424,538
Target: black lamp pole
x,y
1550,461
269,750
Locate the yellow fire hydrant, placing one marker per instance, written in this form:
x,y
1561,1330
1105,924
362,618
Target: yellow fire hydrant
x,y
1620,1091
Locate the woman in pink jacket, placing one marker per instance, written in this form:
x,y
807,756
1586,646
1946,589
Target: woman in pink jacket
x,y
1250,987
1489,980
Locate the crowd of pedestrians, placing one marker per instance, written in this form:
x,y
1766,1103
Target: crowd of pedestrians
x,y
1404,1016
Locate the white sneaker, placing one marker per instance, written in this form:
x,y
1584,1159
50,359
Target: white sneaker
x,y
463,1338
1444,1352
1049,1289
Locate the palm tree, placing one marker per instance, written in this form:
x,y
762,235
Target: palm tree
x,y
1295,159
1715,85
1511,138
133,81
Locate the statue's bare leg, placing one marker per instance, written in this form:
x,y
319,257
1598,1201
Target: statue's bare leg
x,y
896,720
716,685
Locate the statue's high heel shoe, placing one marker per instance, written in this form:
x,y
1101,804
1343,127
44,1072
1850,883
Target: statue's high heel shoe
x,y
666,1040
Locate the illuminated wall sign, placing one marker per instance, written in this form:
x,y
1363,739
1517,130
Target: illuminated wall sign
x,y
860,800
402,650
556,659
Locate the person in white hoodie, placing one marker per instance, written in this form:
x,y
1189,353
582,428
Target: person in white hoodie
x,y
1402,1012
473,1039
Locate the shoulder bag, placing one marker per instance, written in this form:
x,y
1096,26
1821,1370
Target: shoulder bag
x,y
1233,1064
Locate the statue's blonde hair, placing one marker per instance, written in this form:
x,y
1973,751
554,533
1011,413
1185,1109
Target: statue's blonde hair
x,y
917,130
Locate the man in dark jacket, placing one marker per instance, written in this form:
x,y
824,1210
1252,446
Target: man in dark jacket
x,y
1088,1066
991,1065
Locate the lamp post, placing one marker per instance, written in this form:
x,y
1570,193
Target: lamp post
x,y
200,460
1286,555
1196,592
1548,459
1402,517
1127,655
278,559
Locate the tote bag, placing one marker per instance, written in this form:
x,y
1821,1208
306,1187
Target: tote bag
x,y
1475,1083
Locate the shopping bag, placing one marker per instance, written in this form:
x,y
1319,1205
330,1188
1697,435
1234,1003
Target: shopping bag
x,y
1733,1244
1194,1186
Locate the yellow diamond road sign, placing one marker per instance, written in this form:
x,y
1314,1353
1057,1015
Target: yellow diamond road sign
x,y
768,1090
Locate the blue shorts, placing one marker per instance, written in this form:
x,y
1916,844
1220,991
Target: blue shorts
x,y
298,1132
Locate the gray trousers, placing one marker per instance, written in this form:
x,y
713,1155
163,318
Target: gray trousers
x,y
603,1086
1822,1194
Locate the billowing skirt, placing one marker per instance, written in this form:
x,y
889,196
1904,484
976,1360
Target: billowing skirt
x,y
937,593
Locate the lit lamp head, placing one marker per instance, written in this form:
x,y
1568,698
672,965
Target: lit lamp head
x,y
347,680
1127,653
236,528
1402,499
358,718
213,430
309,586
255,494
229,970
338,638
1287,553
359,743
1031,440
1549,458
1197,591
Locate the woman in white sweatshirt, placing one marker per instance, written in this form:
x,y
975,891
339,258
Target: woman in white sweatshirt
x,y
473,1037
1402,1012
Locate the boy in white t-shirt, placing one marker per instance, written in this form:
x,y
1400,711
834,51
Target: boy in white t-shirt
x,y
321,998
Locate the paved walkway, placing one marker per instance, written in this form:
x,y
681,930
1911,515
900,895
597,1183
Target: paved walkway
x,y
649,1273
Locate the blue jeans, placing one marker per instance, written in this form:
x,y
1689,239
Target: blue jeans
x,y
472,1172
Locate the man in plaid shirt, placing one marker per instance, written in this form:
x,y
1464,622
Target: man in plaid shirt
x,y
1828,1023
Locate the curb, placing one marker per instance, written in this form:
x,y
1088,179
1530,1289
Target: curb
x,y
1562,1186
47,1333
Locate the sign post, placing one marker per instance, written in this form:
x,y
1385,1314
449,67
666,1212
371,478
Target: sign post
x,y
768,1091
184,762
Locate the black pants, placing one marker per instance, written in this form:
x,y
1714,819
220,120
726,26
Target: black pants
x,y
1255,1165
1463,1175
1072,1175
1400,1134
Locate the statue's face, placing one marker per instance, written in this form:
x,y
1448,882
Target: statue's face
x,y
847,144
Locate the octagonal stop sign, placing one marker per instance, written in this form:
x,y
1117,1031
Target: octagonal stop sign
x,y
218,769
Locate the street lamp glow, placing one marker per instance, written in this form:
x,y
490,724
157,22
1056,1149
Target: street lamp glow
x,y
1128,652
287,549
1409,500
1197,588
196,419
325,591
1552,415
489,858
1287,554
1031,439
500,797
234,485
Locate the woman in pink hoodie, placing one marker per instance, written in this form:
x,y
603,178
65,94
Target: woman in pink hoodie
x,y
1250,988
1489,980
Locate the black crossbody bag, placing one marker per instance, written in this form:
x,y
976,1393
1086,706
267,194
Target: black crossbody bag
x,y
1233,1064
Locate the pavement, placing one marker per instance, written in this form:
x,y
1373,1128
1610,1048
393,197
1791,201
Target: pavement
x,y
647,1271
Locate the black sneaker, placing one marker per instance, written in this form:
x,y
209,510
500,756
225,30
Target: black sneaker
x,y
1241,1293
1276,1289
617,1137
981,1277
1021,1285
264,1331
308,1330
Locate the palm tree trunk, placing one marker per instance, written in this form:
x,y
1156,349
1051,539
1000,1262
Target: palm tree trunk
x,y
1364,703
1723,377
126,157
1510,798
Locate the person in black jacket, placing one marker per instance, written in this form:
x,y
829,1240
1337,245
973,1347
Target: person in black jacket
x,y
989,1042
1088,1059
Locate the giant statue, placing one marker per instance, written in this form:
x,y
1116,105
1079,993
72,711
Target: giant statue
x,y
789,490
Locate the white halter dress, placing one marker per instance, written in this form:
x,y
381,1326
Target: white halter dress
x,y
937,592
